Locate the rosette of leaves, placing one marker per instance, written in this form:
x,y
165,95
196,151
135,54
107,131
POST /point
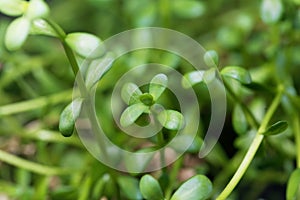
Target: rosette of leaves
x,y
140,103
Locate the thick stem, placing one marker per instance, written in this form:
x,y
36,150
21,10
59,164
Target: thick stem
x,y
252,150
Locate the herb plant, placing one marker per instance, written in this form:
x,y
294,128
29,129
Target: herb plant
x,y
256,57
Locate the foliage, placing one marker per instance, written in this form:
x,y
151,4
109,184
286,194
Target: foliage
x,y
257,56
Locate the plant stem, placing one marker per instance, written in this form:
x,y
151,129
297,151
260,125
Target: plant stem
x,y
31,166
82,87
160,142
85,188
250,117
173,176
46,136
35,103
252,150
296,124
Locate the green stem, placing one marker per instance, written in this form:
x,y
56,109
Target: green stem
x,y
296,124
46,136
252,150
85,188
35,103
161,142
173,177
82,87
250,117
31,166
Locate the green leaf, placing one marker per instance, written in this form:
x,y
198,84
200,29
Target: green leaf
x,y
293,185
17,33
271,11
188,8
99,186
68,117
211,58
41,27
97,68
239,120
131,113
276,128
198,187
171,119
238,73
150,188
129,187
13,7
85,45
209,75
158,85
192,78
130,93
37,9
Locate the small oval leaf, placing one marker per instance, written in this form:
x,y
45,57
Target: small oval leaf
x,y
211,58
129,187
131,113
158,85
85,44
293,185
209,75
17,33
37,9
97,68
198,187
69,116
13,7
150,188
271,11
171,119
130,93
41,27
238,73
276,128
192,78
239,120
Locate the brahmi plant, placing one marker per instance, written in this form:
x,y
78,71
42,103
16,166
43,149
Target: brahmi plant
x,y
261,131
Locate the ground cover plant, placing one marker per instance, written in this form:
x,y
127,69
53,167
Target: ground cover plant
x,y
252,53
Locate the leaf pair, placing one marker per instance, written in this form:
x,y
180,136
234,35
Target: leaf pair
x,y
140,103
198,187
211,59
18,31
